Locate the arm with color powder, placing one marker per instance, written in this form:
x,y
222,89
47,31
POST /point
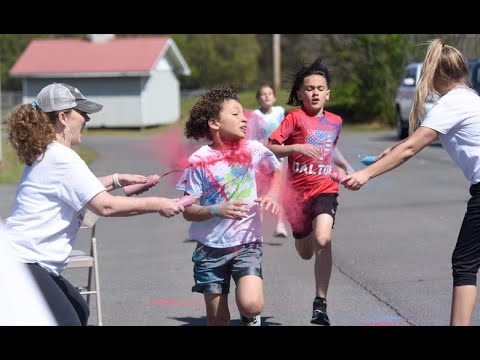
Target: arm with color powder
x,y
234,209
270,200
340,161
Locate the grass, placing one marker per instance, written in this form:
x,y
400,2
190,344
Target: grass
x,y
10,168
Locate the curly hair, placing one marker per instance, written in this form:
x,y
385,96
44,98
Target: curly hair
x,y
207,107
302,71
30,131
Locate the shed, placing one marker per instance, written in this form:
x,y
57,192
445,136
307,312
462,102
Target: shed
x,y
135,78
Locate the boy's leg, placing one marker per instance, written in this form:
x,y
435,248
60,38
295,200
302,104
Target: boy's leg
x,y
322,229
212,278
304,247
218,313
281,226
249,295
324,208
247,272
301,223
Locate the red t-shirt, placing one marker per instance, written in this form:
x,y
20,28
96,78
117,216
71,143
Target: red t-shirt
x,y
309,176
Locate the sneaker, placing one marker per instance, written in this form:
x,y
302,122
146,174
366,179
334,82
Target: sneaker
x,y
253,321
280,230
319,315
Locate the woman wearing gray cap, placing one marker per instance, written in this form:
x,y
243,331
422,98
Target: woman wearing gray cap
x,y
57,188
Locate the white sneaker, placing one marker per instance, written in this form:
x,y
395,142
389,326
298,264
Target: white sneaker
x,y
253,321
280,230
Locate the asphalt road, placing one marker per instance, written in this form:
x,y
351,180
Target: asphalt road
x,y
392,245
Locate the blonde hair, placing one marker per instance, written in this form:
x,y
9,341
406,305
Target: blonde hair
x,y
443,64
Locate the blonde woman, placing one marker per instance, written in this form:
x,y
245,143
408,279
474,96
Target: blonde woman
x,y
455,120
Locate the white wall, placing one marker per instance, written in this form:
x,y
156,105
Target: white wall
x,y
161,97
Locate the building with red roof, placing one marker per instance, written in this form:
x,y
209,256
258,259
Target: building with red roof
x,y
135,78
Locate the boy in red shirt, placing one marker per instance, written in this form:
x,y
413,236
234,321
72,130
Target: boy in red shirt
x,y
308,136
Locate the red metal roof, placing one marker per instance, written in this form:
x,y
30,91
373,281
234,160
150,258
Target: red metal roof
x,y
47,56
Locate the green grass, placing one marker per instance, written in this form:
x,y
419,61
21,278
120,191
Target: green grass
x,y
10,168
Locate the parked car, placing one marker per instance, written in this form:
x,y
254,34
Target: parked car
x,y
406,92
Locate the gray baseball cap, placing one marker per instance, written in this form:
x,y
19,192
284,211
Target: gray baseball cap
x,y
59,96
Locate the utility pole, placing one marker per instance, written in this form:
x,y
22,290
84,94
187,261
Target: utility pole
x,y
276,63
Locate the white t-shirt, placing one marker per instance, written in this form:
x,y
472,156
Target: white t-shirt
x,y
21,302
456,116
220,176
49,208
264,124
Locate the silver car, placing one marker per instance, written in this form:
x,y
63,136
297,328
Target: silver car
x,y
404,98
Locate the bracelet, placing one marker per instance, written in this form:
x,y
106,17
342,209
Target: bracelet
x,y
116,184
214,210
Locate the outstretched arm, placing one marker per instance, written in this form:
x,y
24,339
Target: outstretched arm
x,y
234,209
105,204
109,181
400,154
389,149
339,160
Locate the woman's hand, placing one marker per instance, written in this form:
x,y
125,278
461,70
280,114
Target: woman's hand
x,y
356,180
169,207
130,179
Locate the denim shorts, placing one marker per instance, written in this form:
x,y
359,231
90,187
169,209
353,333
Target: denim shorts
x,y
215,266
301,218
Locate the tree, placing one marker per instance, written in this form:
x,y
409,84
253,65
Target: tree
x,y
369,67
12,46
219,58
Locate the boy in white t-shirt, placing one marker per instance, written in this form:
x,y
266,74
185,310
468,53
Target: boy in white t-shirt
x,y
226,216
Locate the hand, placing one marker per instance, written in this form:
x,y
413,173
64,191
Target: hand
x,y
152,180
356,180
234,209
308,150
169,207
269,202
130,179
